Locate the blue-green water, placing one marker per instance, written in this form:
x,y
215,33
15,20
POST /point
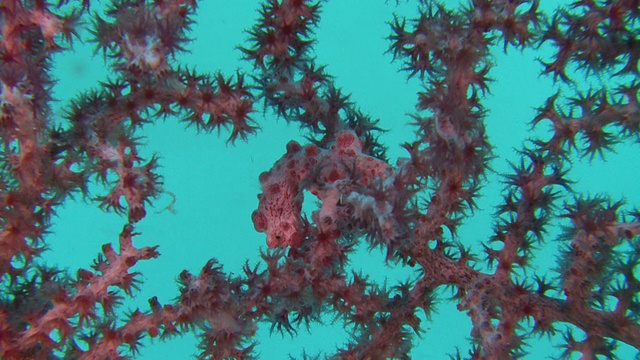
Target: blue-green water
x,y
216,184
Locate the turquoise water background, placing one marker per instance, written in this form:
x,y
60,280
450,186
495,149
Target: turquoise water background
x,y
216,184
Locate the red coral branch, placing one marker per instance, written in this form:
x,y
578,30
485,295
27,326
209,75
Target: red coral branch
x,y
402,209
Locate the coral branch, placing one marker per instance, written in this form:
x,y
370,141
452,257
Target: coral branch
x,y
588,304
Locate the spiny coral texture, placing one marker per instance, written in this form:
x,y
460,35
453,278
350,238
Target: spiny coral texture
x,y
404,209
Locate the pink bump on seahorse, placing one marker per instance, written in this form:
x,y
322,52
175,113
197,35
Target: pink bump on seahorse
x,y
314,169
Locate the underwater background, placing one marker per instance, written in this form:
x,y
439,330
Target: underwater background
x,y
215,184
